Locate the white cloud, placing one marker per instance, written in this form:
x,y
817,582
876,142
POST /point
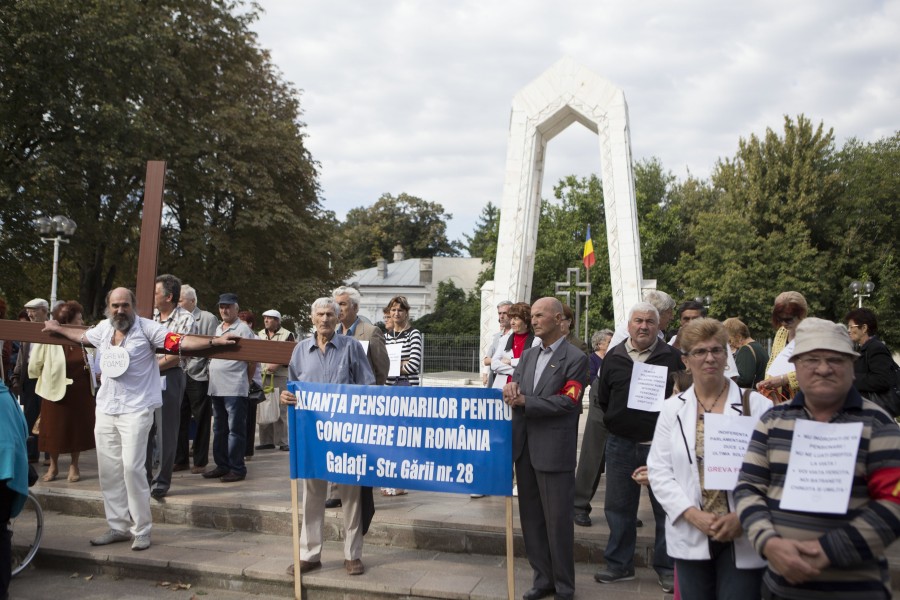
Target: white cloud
x,y
414,96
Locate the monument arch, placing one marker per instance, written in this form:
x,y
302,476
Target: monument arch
x,y
564,94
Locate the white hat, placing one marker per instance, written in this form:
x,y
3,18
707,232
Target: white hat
x,y
819,334
38,303
272,313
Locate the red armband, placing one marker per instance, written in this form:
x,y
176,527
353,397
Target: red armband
x,y
884,484
173,342
572,389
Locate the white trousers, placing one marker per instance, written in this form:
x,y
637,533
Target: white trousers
x,y
314,493
121,452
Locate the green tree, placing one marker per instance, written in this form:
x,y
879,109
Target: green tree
x,y
416,224
862,230
454,312
483,242
91,91
766,231
660,223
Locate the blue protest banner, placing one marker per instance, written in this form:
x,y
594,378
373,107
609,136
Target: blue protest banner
x,y
421,438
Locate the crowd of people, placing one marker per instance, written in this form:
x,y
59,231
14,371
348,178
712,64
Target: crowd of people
x,y
734,540
135,405
111,390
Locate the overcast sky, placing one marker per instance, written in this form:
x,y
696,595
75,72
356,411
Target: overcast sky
x,y
414,96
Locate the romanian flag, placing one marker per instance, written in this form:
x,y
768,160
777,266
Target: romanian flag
x,y
588,257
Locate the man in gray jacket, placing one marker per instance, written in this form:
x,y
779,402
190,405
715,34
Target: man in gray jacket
x,y
545,395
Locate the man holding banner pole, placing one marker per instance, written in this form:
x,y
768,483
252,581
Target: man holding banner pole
x,y
545,395
336,359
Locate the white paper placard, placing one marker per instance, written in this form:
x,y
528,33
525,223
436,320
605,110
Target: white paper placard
x,y
725,441
395,352
114,361
648,387
821,466
500,381
365,345
162,382
781,366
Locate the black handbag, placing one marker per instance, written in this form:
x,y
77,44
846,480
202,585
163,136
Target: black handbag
x,y
256,394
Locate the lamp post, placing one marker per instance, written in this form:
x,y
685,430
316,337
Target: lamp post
x,y
858,288
61,228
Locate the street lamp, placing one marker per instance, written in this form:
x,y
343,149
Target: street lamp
x,y
858,288
61,228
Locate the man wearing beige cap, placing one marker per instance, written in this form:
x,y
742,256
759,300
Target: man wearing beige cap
x,y
38,311
831,542
275,434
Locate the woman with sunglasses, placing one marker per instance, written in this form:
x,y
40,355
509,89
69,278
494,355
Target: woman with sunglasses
x,y
713,557
780,384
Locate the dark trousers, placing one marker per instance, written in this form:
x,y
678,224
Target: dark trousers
x,y
251,428
32,405
591,460
623,495
166,422
718,577
230,432
546,514
195,404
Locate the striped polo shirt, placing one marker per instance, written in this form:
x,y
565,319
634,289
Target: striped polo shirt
x,y
855,541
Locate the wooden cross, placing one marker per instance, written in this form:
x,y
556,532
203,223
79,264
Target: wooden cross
x,y
262,351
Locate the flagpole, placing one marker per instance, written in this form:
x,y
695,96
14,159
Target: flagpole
x,y
587,305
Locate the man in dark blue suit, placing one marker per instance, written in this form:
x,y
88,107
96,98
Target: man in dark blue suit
x,y
545,395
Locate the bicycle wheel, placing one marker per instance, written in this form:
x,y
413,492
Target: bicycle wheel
x,y
25,532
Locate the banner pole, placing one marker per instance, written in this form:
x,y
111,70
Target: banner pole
x,y
295,526
510,564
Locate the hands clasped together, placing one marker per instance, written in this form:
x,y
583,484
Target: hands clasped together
x,y
512,395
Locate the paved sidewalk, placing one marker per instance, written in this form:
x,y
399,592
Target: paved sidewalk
x,y
255,564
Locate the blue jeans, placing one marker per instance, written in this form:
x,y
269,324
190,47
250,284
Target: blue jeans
x,y
718,577
621,506
230,432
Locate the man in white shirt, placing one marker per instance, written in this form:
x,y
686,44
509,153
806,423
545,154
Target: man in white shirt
x,y
129,392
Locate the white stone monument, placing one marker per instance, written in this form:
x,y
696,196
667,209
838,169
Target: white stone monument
x,y
564,94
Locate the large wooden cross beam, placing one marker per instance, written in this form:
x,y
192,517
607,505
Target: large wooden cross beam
x,y
154,186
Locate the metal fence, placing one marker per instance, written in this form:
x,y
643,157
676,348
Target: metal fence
x,y
451,353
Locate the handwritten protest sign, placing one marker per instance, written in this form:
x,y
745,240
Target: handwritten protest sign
x,y
725,441
436,439
821,466
648,387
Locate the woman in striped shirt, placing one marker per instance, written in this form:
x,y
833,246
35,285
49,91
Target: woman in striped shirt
x,y
410,355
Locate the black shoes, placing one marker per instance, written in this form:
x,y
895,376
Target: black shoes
x,y
215,473
232,477
583,519
537,593
333,503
